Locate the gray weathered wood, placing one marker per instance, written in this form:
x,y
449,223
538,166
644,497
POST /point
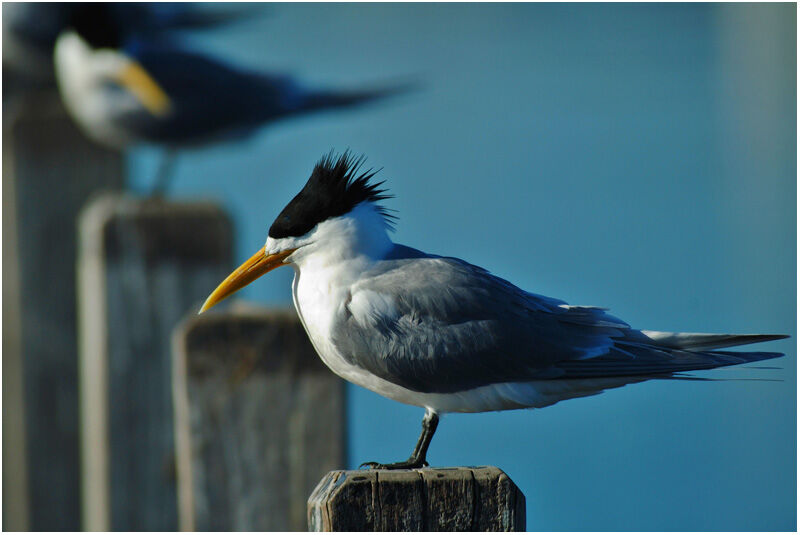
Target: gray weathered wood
x,y
259,420
429,499
49,171
143,265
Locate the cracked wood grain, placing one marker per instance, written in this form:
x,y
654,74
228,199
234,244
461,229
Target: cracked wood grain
x,y
428,499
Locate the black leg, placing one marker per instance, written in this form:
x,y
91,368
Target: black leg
x,y
417,459
163,174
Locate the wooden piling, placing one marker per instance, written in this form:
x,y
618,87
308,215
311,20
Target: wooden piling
x,y
259,419
428,499
144,263
49,171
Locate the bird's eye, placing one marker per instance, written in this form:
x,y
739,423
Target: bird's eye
x,y
112,86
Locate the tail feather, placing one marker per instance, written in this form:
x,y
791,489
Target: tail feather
x,y
639,360
706,341
181,16
317,100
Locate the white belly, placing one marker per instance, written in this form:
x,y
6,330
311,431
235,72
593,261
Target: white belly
x,y
322,295
318,302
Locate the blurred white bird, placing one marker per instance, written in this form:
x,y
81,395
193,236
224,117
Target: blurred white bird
x,y
439,333
30,29
128,91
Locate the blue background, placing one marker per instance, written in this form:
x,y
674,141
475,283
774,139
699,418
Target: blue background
x,y
640,157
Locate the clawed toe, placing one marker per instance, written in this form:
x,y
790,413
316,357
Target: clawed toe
x,y
417,458
411,463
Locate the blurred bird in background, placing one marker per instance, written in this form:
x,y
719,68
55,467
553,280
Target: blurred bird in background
x,y
440,333
30,29
124,87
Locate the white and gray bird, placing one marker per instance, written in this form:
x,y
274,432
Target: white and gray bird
x,y
30,29
443,334
126,89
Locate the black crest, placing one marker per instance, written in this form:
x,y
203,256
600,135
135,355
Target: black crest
x,y
335,188
94,21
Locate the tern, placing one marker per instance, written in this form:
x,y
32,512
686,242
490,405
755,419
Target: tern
x,y
30,29
124,91
440,333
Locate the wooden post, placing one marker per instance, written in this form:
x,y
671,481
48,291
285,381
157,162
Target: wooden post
x,y
143,265
429,499
49,171
259,419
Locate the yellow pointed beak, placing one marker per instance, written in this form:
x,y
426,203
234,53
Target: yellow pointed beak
x,y
139,82
258,264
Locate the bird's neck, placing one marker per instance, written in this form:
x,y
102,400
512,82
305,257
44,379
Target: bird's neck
x,y
88,82
343,248
358,237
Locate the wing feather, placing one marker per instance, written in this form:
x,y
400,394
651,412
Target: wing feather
x,y
454,326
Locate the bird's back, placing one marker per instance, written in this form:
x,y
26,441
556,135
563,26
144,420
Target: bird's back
x,y
209,99
212,99
445,326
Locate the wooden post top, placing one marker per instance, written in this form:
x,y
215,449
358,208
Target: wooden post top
x,y
429,499
156,228
259,419
272,338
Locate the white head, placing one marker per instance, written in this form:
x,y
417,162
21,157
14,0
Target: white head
x,y
337,216
97,84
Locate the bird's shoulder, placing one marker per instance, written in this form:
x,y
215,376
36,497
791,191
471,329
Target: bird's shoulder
x,y
166,61
415,318
423,282
177,68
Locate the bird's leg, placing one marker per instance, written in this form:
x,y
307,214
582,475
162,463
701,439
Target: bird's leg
x,y
163,174
417,459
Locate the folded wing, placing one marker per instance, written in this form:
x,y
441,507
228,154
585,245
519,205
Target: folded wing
x,y
434,324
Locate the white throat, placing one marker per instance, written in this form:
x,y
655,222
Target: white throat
x,y
328,262
83,77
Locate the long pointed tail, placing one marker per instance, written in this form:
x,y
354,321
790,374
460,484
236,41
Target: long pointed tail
x,y
705,341
169,16
659,353
330,99
638,360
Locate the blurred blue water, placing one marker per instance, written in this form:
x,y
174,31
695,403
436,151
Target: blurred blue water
x,y
640,157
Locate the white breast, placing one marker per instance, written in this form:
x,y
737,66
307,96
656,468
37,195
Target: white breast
x,y
318,309
322,295
329,262
85,79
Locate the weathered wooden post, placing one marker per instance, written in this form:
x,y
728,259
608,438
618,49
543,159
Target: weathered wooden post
x,y
143,264
259,419
49,171
428,499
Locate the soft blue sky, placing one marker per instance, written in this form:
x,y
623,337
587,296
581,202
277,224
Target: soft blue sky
x,y
639,157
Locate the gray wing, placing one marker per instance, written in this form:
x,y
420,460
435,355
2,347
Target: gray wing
x,y
209,98
454,326
212,99
443,325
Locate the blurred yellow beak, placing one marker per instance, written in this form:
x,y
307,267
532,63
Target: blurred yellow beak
x,y
139,82
258,264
